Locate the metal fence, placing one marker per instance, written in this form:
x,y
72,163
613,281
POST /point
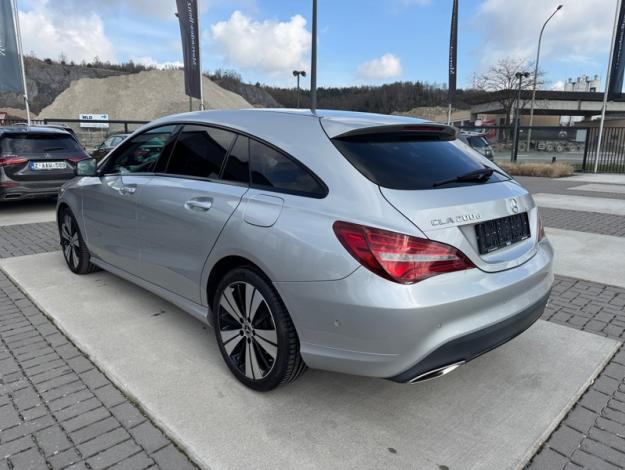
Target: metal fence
x,y
574,145
90,133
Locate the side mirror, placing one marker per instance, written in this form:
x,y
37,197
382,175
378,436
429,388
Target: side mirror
x,y
87,167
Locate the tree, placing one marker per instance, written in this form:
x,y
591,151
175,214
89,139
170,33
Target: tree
x,y
502,77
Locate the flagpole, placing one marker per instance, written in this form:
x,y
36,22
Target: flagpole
x,y
313,60
199,41
607,86
18,38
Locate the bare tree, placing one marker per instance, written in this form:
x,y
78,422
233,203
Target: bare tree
x,y
502,77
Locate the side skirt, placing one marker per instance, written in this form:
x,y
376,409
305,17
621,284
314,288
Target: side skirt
x,y
201,312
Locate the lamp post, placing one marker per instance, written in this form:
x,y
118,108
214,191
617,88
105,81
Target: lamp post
x,y
540,38
515,143
298,73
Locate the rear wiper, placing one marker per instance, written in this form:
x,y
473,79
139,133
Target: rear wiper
x,y
481,176
50,149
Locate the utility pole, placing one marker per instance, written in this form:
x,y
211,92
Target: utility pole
x,y
540,38
298,73
515,143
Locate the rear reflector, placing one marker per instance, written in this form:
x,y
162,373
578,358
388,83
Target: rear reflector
x,y
398,257
12,160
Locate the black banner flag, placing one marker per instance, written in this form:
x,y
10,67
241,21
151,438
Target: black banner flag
x,y
453,55
618,58
188,18
10,70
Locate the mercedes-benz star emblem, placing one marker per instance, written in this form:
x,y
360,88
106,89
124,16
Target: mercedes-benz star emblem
x,y
514,205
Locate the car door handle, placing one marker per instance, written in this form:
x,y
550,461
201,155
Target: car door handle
x,y
125,189
199,204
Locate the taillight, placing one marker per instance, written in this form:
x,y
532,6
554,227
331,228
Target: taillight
x,y
77,159
398,257
541,229
9,160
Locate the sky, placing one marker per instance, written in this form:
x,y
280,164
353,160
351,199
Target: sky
x,y
360,41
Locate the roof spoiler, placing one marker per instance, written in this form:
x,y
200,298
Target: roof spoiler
x,y
431,130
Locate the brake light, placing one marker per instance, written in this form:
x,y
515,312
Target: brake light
x,y
9,160
398,257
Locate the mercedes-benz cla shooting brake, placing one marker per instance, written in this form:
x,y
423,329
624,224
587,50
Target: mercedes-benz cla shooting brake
x,y
366,244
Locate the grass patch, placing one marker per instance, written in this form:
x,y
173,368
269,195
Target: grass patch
x,y
547,170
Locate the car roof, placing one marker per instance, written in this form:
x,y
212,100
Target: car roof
x,y
249,120
32,130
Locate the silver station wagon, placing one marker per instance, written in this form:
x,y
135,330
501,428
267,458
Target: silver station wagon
x,y
366,244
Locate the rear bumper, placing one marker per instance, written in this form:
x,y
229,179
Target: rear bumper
x,y
475,344
15,191
366,325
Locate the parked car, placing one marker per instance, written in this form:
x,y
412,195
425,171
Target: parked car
x,y
36,161
109,144
478,142
359,243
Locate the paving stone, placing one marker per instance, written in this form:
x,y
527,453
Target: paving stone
x,y
16,446
548,460
94,430
116,454
136,462
52,440
171,457
149,436
565,440
109,395
128,415
103,442
29,459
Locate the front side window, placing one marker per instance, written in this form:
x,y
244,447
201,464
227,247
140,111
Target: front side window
x,y
140,154
200,152
274,170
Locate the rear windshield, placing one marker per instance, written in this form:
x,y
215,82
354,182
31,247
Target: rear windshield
x,y
20,144
405,162
478,142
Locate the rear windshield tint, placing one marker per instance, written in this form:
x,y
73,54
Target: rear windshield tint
x,y
21,144
405,162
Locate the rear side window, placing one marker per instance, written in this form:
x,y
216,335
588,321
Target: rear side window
x,y
200,152
31,143
397,161
478,142
272,169
238,165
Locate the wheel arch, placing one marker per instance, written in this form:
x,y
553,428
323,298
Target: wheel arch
x,y
221,268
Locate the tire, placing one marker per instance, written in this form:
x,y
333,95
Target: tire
x,y
73,245
261,352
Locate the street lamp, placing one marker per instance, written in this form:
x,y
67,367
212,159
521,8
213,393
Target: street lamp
x,y
540,38
298,73
515,143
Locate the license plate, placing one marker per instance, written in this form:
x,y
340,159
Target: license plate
x,y
48,165
499,233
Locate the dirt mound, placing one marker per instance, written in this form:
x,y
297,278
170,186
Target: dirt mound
x,y
141,96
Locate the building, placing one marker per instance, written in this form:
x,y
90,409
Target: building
x,y
583,83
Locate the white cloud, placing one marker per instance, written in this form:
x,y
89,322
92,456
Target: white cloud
x,y
579,31
78,37
387,66
151,62
558,86
273,47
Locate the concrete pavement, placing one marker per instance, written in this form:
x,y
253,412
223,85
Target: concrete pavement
x,y
168,362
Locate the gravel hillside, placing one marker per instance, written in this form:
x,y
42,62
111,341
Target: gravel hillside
x,y
46,81
141,96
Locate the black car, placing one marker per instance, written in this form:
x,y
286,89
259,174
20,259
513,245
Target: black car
x,y
36,161
109,144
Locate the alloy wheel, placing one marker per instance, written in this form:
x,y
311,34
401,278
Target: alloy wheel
x,y
70,241
247,330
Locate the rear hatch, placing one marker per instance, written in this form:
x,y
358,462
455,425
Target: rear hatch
x,y
449,191
31,156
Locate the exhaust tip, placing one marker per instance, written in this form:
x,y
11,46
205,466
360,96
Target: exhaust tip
x,y
435,373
